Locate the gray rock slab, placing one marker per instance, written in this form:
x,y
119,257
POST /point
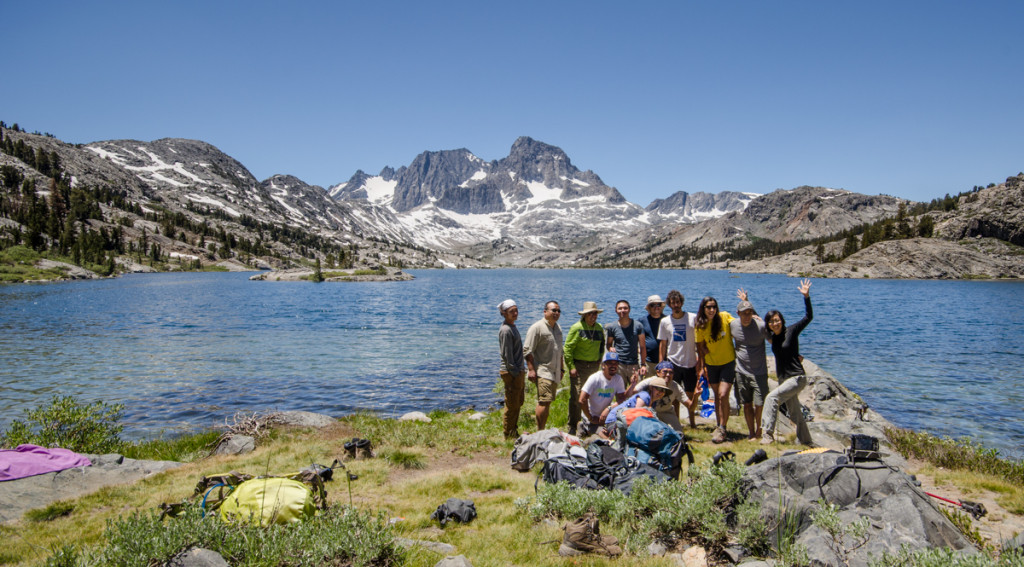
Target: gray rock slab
x,y
235,445
303,419
198,557
19,496
454,561
435,546
899,513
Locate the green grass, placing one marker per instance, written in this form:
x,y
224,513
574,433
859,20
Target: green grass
x,y
962,454
182,448
51,512
419,465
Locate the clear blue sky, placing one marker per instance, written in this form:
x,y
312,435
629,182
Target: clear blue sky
x,y
913,99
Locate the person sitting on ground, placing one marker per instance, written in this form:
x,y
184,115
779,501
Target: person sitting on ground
x,y
790,370
599,391
748,332
657,389
716,352
667,408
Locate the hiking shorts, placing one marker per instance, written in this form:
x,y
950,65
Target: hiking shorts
x,y
685,377
722,373
751,389
546,390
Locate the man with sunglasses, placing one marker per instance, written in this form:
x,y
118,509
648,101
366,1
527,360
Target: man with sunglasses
x,y
543,352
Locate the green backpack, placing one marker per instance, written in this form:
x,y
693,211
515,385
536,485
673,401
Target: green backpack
x,y
273,500
239,497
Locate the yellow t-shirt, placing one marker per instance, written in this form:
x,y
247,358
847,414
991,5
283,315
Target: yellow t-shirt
x,y
720,351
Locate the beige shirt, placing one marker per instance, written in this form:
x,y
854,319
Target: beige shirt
x,y
545,344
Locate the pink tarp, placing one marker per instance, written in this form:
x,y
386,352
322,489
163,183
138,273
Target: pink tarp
x,y
30,460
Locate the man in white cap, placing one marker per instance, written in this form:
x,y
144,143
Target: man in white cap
x,y
651,324
543,353
512,372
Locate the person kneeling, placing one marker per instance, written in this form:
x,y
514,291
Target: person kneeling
x,y
597,394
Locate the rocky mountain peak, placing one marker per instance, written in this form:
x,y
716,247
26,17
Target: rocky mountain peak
x,y
431,175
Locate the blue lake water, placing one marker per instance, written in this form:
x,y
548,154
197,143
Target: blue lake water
x,y
184,351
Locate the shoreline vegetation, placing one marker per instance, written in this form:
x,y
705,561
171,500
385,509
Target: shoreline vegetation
x,y
382,516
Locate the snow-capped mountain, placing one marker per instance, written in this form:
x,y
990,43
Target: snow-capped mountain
x,y
683,207
534,199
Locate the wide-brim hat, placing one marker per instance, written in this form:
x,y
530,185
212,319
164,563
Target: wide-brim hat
x,y
590,307
655,299
659,382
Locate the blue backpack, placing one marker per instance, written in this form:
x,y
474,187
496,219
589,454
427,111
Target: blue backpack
x,y
652,441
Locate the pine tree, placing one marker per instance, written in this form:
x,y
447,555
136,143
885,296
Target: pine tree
x,y
318,275
851,246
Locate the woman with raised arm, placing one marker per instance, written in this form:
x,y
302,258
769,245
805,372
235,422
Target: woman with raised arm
x,y
717,354
789,369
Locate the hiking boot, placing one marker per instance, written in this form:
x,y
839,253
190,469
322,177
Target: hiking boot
x,y
364,449
767,438
595,526
350,448
582,536
719,435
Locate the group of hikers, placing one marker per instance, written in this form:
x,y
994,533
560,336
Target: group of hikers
x,y
664,359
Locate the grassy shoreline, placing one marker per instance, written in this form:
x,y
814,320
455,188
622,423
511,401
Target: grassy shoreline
x,y
418,466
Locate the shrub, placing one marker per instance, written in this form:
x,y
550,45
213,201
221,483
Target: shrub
x,y
19,255
340,536
66,423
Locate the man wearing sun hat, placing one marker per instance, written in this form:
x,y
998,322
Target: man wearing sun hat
x,y
584,346
667,407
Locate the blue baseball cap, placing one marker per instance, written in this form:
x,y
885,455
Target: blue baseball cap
x,y
609,356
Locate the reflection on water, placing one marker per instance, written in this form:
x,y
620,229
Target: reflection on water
x,y
188,350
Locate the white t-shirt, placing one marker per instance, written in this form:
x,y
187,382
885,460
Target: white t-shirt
x,y
682,350
602,391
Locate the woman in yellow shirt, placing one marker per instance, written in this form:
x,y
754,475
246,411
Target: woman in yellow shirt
x,y
716,352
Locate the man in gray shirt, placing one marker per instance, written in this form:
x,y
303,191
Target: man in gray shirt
x,y
543,351
510,345
751,365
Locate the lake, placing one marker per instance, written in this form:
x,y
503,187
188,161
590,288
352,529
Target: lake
x,y
185,351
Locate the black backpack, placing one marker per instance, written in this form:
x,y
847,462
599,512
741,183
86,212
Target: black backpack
x,y
564,468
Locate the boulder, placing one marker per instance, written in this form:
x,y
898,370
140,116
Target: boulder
x,y
235,445
198,557
899,513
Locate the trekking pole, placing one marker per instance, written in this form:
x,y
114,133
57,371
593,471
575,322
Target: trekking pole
x,y
975,509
